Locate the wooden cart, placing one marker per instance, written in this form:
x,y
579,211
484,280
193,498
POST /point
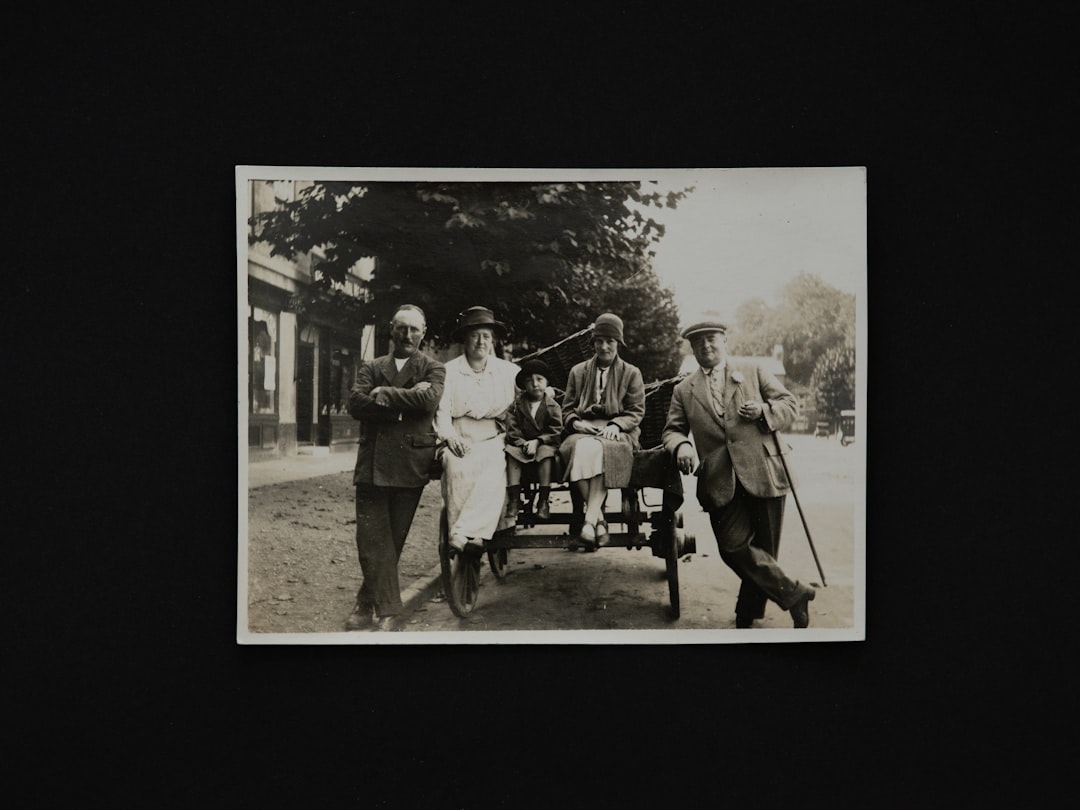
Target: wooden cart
x,y
648,516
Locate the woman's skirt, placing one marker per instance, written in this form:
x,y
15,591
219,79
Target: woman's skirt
x,y
616,458
474,486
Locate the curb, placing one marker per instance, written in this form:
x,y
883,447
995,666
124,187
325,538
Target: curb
x,y
415,595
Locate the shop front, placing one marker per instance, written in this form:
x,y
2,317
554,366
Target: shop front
x,y
271,428
340,357
332,343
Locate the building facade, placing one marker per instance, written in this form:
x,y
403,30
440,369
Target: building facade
x,y
304,345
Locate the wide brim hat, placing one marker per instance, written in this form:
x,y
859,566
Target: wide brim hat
x,y
609,325
704,328
475,317
530,367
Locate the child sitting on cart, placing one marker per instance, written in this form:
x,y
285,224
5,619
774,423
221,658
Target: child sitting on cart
x,y
533,427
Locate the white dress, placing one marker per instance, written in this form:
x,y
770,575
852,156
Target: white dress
x,y
474,486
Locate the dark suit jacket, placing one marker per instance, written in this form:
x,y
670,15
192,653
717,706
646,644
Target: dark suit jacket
x,y
546,426
732,448
397,440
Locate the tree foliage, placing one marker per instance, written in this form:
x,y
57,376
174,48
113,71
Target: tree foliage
x,y
815,324
833,382
547,258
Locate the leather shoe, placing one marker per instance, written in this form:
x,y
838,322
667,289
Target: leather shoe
x,y
512,509
543,510
743,622
360,618
800,611
385,623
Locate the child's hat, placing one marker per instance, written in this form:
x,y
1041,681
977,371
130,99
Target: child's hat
x,y
530,367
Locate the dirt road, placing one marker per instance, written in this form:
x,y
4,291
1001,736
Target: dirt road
x,y
302,568
303,573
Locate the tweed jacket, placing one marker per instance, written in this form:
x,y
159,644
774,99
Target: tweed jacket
x,y
397,443
626,384
732,448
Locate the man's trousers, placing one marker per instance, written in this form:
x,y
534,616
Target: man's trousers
x,y
383,518
747,534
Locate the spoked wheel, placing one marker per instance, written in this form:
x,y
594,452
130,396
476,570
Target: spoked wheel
x,y
680,543
460,573
497,561
671,560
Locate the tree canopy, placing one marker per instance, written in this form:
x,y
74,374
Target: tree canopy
x,y
815,324
547,258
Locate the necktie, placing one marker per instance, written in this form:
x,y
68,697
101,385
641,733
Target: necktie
x,y
600,385
716,388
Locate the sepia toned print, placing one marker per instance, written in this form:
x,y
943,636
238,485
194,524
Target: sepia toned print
x,y
730,508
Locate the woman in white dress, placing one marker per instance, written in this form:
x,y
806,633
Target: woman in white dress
x,y
471,419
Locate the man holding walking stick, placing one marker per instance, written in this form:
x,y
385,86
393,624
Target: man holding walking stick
x,y
732,414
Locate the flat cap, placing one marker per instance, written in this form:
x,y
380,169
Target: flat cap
x,y
703,328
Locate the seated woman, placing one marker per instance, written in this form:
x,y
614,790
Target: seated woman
x,y
602,412
533,429
471,420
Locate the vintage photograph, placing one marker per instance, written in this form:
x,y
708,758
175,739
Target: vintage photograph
x,y
536,406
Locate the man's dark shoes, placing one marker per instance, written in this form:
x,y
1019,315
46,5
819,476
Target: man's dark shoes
x,y
360,618
743,622
800,611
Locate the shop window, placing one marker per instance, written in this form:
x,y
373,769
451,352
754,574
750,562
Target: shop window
x,y
262,361
344,363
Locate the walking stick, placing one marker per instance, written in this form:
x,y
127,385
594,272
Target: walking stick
x,y
802,517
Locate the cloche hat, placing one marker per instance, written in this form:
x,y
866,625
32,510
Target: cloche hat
x,y
609,325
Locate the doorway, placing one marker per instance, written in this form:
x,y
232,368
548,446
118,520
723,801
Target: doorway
x,y
305,393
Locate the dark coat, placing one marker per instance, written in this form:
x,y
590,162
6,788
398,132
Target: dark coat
x,y
397,440
521,427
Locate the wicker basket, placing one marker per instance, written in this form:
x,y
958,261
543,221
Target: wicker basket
x,y
657,402
562,356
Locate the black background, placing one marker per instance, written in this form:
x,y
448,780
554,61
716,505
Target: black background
x,y
127,686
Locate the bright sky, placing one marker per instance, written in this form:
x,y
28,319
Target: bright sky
x,y
744,233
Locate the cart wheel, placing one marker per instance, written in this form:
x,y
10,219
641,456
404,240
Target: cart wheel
x,y
497,561
671,561
460,573
685,542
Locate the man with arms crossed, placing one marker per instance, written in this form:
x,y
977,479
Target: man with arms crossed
x,y
394,398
